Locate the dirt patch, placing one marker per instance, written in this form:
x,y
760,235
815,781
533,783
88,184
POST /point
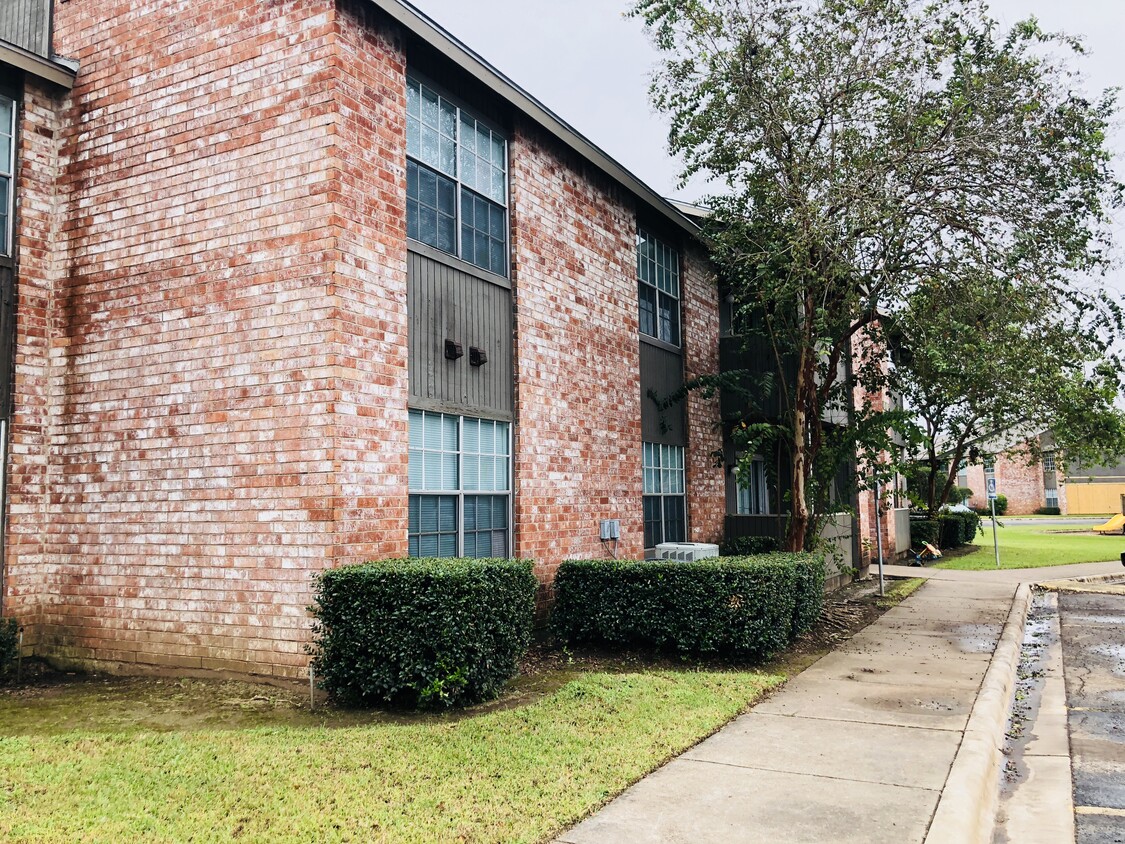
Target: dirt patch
x,y
51,702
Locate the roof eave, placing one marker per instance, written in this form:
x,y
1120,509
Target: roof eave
x,y
416,22
49,70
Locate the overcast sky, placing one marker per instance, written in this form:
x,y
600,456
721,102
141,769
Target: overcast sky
x,y
590,65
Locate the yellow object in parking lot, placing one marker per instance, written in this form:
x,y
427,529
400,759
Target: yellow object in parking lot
x,y
1114,525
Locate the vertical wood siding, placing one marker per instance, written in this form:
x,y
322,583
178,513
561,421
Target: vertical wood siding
x,y
27,24
662,372
445,303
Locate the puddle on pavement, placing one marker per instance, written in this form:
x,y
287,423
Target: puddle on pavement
x,y
1041,632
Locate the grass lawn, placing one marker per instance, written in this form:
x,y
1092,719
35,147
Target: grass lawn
x,y
520,773
1033,546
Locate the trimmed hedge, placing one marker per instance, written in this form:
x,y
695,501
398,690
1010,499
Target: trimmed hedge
x,y
951,530
749,546
1048,511
421,633
923,530
749,607
809,596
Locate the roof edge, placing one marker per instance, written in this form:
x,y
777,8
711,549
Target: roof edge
x,y
433,34
58,71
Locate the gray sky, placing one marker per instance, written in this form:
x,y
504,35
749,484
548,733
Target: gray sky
x,y
590,65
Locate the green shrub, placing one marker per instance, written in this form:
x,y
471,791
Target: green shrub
x,y
972,525
1001,505
923,530
951,530
734,606
960,494
421,633
9,646
749,546
1048,511
809,597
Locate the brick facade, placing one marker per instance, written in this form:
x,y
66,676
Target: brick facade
x,y
706,481
1020,482
212,373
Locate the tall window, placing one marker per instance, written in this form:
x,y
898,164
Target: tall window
x,y
658,288
460,489
1048,461
456,180
664,504
753,494
7,171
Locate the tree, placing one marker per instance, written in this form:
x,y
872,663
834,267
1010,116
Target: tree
x,y
996,356
863,149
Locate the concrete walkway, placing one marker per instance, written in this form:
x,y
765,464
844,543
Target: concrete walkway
x,y
857,748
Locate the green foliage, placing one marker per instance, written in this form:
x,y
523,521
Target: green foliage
x,y
421,633
923,530
747,607
960,495
749,546
838,136
1048,511
9,646
1001,505
951,530
809,594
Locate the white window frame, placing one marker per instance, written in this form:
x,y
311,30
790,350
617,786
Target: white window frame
x,y
8,175
676,268
658,476
1048,461
460,492
460,187
744,494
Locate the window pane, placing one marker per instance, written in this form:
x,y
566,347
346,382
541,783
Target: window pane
x,y
415,469
5,152
653,534
447,545
447,515
483,233
449,426
646,297
432,431
675,524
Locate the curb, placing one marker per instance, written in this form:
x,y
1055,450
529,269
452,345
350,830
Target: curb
x,y
966,810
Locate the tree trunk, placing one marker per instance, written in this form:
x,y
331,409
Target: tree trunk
x,y
799,517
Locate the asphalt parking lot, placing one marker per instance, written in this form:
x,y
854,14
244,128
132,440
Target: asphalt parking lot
x,y
1093,643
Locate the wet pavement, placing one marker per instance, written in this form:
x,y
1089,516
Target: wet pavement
x,y
1093,644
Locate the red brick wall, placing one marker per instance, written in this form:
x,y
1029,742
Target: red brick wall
x,y
31,585
368,292
195,372
706,483
1021,483
212,377
578,437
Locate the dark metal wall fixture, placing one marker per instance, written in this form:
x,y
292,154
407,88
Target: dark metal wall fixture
x,y
477,357
453,350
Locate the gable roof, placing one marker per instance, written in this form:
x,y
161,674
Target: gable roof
x,y
433,34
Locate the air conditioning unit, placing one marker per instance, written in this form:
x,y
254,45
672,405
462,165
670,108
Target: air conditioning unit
x,y
686,552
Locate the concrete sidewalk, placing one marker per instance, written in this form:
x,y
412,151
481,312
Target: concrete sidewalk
x,y
858,748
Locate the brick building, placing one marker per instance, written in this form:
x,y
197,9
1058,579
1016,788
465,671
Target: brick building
x,y
303,283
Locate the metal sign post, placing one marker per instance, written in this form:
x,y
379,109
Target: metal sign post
x,y
991,482
879,538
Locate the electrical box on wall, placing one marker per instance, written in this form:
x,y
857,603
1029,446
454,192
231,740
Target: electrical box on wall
x,y
610,529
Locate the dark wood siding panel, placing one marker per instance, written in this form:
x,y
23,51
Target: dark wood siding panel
x,y
446,303
662,373
27,24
